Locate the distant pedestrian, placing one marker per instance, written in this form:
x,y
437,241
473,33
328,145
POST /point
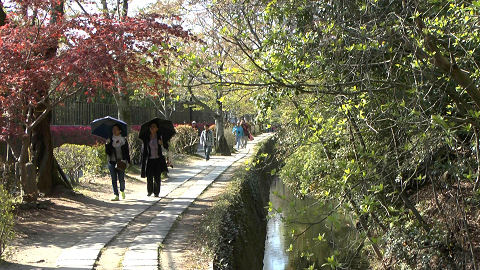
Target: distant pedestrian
x,y
238,131
118,155
195,126
153,161
246,133
206,140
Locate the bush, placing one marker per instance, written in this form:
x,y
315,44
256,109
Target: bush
x,y
6,219
73,135
230,137
7,177
186,140
135,147
79,160
256,129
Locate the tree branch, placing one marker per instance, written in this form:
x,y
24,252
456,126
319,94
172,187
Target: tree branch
x,y
3,15
448,67
196,99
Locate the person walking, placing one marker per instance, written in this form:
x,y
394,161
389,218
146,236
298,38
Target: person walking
x,y
238,131
246,133
118,155
206,140
153,161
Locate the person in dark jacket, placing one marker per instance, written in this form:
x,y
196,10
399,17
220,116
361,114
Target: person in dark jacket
x,y
153,161
116,149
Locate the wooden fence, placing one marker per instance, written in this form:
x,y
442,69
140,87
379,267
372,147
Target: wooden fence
x,y
83,113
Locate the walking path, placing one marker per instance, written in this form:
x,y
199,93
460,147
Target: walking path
x,y
183,187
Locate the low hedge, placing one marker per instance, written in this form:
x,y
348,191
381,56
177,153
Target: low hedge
x,y
73,135
81,160
186,140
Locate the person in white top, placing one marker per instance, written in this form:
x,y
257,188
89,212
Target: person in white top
x,y
206,140
117,152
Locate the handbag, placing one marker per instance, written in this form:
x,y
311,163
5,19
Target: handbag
x,y
120,165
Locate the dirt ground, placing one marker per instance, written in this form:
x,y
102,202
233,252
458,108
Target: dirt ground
x,y
181,250
65,218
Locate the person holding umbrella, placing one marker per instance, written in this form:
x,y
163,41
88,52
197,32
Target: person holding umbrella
x,y
153,161
116,148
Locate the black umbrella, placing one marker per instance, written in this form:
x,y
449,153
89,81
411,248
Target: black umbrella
x,y
103,126
166,130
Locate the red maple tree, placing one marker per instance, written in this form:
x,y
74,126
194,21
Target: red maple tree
x,y
47,56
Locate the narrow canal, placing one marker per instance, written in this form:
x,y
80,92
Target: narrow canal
x,y
294,241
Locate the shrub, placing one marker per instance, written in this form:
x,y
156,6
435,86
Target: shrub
x,y
230,137
256,129
79,160
6,219
135,147
7,177
186,140
73,135
200,125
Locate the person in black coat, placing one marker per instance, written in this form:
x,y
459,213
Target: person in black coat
x,y
153,161
116,149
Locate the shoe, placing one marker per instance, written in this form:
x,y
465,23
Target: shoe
x,y
116,198
123,194
156,195
149,194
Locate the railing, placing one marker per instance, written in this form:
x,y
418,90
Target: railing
x,y
83,113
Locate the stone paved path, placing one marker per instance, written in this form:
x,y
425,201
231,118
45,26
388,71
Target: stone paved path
x,y
142,252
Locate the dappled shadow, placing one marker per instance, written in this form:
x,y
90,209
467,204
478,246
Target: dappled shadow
x,y
14,266
68,220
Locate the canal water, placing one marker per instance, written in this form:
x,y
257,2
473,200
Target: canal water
x,y
293,243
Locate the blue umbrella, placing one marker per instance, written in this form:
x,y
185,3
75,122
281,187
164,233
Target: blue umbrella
x,y
103,126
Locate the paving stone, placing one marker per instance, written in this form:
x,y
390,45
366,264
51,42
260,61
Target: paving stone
x,y
85,252
140,255
140,267
83,264
144,262
143,253
74,268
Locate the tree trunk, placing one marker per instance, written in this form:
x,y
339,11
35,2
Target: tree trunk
x,y
221,145
448,66
43,155
122,97
123,107
3,15
25,172
41,140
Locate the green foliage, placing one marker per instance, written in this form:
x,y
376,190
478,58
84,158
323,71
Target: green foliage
x,y
135,147
374,114
219,218
6,219
234,228
186,140
7,177
81,160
